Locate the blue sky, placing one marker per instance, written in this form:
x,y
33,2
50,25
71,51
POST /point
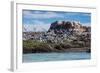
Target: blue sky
x,y
33,19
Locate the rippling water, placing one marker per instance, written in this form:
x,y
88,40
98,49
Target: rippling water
x,y
40,57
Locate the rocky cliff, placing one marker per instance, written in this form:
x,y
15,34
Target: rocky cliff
x,y
67,26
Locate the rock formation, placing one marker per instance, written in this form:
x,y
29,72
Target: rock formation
x,y
67,26
62,36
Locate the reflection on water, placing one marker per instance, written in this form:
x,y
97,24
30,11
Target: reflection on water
x,y
40,57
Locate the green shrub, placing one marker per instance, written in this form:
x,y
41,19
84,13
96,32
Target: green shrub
x,y
36,46
58,47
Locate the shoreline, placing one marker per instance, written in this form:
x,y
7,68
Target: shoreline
x,y
29,51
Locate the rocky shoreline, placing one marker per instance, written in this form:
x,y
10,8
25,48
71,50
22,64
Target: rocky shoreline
x,y
40,47
27,51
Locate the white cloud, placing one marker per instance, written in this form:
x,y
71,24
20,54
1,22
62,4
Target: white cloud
x,y
77,13
38,26
86,24
41,15
87,14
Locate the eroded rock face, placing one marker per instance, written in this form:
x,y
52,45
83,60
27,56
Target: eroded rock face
x,y
61,25
67,26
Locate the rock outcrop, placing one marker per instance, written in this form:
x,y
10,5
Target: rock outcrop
x,y
67,26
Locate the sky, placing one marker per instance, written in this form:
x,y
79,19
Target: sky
x,y
36,20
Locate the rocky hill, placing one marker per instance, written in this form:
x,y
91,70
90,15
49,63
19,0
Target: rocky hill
x,y
68,26
62,36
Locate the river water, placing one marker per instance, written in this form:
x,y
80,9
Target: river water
x,y
42,57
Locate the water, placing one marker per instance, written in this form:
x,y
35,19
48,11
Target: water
x,y
41,57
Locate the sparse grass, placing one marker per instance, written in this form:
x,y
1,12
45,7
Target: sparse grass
x,y
37,47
